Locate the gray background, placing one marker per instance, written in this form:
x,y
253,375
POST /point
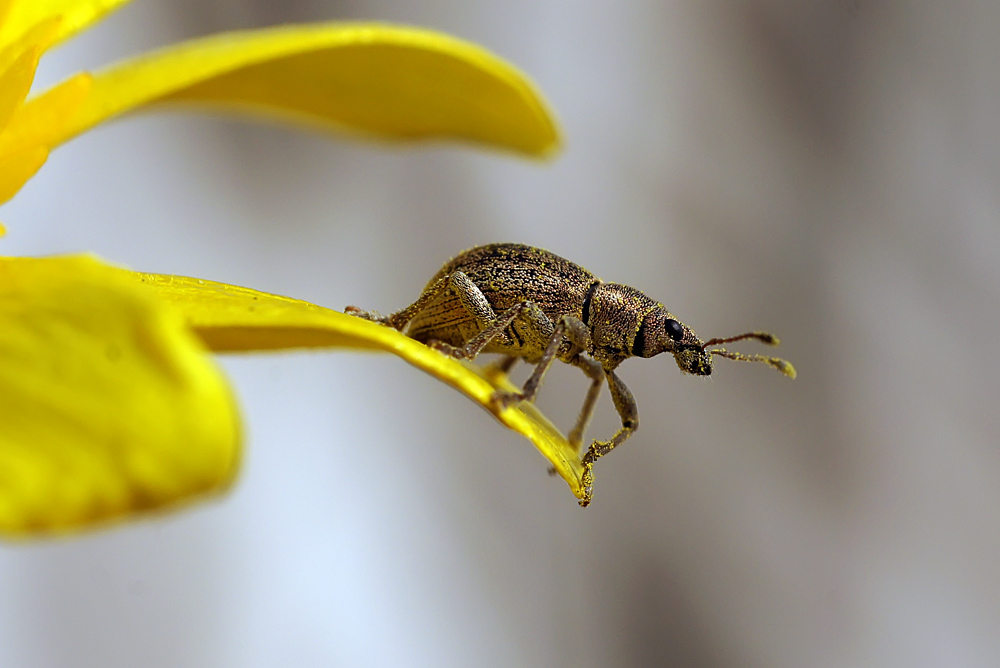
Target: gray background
x,y
827,170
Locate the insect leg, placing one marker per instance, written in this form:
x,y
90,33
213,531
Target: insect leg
x,y
595,372
469,296
472,300
496,329
629,413
627,410
400,319
567,327
506,364
475,303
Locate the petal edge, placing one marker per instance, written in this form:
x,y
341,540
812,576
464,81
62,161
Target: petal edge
x,y
386,81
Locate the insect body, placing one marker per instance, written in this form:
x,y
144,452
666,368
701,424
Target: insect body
x,y
530,304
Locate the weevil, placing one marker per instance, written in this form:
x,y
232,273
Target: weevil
x,y
527,303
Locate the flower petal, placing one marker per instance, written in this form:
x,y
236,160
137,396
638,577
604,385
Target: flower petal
x,y
42,121
16,168
386,81
235,319
38,38
76,15
15,81
110,404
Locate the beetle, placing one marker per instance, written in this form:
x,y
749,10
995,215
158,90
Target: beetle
x,y
528,303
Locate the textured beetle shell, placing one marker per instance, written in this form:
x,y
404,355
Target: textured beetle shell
x,y
616,316
507,274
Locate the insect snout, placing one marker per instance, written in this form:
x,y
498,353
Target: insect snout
x,y
694,360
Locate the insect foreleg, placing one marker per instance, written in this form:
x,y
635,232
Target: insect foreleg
x,y
629,413
627,410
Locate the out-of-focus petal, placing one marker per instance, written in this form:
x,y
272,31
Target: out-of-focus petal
x,y
235,319
75,15
19,158
42,121
17,168
385,81
110,405
38,38
15,81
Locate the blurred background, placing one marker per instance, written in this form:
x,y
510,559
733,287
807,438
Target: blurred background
x,y
826,170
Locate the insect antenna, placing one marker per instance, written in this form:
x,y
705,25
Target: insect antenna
x,y
781,365
763,337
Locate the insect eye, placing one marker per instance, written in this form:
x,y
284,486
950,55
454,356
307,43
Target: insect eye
x,y
674,329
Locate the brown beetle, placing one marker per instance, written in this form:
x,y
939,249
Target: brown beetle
x,y
527,303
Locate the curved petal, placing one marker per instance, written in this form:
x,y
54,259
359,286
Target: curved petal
x,y
75,15
37,39
235,319
386,81
110,404
15,80
16,168
42,121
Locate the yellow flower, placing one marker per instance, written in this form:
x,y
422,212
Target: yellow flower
x,y
110,405
378,80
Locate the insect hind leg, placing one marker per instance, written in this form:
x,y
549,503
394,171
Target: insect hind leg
x,y
469,296
400,319
527,312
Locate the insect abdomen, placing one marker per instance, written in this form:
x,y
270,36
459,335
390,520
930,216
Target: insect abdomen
x,y
507,274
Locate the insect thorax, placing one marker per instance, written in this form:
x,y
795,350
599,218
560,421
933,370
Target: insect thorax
x,y
614,317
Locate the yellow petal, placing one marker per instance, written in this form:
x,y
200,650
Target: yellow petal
x,y
110,405
16,168
15,81
5,6
38,38
42,121
384,81
234,319
75,15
